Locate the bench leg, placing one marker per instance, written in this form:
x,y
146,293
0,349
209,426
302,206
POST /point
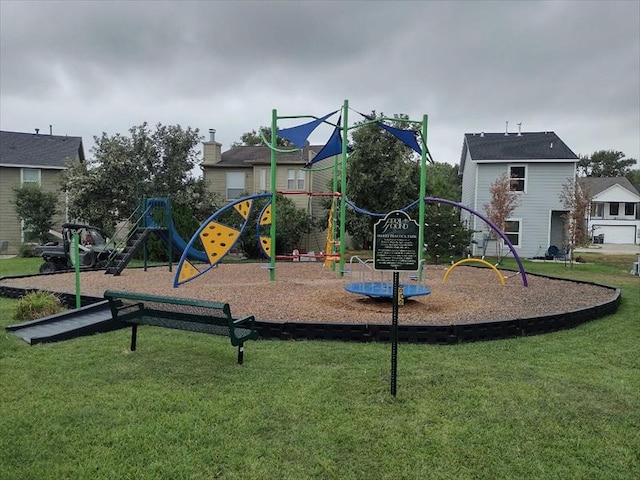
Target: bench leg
x,y
240,354
134,336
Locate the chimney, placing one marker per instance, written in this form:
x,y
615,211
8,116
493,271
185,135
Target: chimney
x,y
551,146
482,134
37,131
519,129
211,150
51,130
506,128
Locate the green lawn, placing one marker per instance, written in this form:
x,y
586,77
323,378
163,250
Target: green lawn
x,y
559,406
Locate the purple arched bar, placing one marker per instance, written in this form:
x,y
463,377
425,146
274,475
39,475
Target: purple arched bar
x,y
523,274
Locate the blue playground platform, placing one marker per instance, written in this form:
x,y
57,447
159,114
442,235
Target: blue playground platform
x,y
385,289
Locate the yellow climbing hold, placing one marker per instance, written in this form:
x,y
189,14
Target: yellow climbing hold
x,y
244,208
217,240
265,242
265,219
187,272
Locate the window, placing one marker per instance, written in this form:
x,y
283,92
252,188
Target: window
x,y
30,175
295,179
597,210
235,185
262,179
512,231
630,209
518,175
614,209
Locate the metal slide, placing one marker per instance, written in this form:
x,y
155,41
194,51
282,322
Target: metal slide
x,y
95,318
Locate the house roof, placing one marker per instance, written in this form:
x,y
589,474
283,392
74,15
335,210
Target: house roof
x,y
516,147
596,185
38,151
246,156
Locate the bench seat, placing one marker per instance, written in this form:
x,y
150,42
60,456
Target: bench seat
x,y
181,314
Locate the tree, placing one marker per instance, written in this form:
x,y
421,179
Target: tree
x,y
502,204
577,200
253,138
634,177
445,235
291,224
605,163
148,163
36,209
382,175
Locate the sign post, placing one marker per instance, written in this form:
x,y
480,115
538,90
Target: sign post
x,y
396,248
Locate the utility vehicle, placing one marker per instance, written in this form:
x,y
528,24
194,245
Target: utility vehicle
x,y
93,249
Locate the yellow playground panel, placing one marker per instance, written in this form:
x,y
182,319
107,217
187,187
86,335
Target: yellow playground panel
x,y
474,260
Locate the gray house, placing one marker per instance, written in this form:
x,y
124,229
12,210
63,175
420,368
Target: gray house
x,y
31,158
539,164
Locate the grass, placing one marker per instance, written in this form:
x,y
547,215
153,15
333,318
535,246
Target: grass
x,y
564,405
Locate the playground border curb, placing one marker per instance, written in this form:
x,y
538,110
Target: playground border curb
x,y
414,333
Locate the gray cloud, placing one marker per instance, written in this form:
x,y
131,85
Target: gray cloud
x,y
89,67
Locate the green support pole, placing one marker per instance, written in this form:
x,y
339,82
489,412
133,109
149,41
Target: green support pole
x,y
334,211
169,222
343,183
76,256
423,193
272,230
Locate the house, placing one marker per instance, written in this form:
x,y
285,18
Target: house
x,y
246,170
31,158
539,164
614,216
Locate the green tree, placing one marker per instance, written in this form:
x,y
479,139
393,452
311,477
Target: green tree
x,y
382,175
254,138
605,163
292,223
151,163
445,235
443,181
634,177
36,209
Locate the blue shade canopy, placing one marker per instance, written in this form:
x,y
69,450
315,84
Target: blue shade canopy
x,y
298,135
331,148
408,137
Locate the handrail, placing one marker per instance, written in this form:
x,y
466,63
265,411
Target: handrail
x,y
119,246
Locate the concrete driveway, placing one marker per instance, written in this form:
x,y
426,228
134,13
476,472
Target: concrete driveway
x,y
612,249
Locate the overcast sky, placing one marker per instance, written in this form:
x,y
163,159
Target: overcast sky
x,y
89,67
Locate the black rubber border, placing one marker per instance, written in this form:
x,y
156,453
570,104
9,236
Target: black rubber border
x,y
435,334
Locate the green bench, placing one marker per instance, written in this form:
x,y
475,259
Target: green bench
x,y
182,314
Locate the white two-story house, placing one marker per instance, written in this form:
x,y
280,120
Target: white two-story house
x,y
615,210
539,164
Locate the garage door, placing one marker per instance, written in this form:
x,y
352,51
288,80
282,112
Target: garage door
x,y
617,233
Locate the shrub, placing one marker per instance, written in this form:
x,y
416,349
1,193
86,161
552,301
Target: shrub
x,y
36,305
26,250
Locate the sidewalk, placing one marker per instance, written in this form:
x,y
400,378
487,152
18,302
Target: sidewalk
x,y
611,249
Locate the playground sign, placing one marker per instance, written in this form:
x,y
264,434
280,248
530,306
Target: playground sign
x,y
395,243
396,247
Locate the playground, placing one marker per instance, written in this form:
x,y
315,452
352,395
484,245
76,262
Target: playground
x,y
309,292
